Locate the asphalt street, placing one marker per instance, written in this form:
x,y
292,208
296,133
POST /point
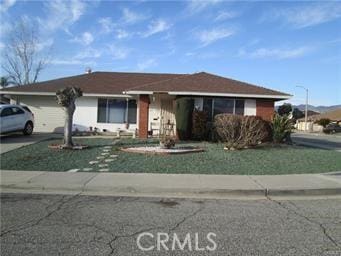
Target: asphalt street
x,y
331,142
91,225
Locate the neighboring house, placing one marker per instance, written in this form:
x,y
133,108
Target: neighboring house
x,y
141,101
333,115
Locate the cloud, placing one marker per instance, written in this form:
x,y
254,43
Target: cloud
x,y
44,44
276,53
156,26
62,14
87,54
196,6
121,34
146,64
71,62
118,53
107,25
306,16
224,15
86,38
131,17
6,4
207,37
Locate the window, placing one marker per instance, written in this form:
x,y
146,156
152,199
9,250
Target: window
x,y
222,105
207,107
17,111
239,107
116,111
132,111
7,112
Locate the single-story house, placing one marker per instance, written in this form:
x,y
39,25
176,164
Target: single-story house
x,y
312,126
115,101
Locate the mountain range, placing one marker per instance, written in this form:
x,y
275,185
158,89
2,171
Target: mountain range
x,y
318,109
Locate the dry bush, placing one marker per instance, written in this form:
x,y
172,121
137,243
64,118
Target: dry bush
x,y
239,132
199,125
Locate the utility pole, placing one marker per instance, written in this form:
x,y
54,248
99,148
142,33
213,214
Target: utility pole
x,y
306,107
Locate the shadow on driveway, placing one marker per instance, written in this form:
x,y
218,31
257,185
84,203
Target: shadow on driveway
x,y
13,141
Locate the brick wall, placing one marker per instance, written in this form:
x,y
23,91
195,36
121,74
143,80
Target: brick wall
x,y
143,116
265,109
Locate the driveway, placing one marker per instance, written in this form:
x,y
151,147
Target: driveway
x,y
324,141
13,141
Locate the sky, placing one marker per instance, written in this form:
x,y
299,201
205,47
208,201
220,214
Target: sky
x,y
277,45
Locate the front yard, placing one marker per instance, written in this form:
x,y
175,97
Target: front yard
x,y
282,159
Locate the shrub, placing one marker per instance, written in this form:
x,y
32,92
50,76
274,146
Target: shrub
x,y
240,131
199,125
323,122
183,116
281,129
167,142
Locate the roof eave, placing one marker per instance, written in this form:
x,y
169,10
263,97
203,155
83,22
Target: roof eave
x,y
239,95
53,94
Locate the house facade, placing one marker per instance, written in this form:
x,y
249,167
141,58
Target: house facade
x,y
142,102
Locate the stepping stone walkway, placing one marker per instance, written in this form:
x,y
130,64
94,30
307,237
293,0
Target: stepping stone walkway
x,y
101,164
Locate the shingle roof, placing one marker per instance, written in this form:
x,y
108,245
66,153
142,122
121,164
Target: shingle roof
x,y
207,83
120,82
96,82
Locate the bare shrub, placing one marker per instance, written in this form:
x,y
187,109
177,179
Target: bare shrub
x,y
239,132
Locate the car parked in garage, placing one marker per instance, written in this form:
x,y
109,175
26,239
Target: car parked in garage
x,y
16,118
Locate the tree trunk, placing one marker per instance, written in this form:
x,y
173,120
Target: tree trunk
x,y
68,126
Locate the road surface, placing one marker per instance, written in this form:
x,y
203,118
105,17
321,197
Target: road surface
x,y
90,225
331,142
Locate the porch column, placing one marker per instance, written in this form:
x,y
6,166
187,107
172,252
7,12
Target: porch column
x,y
143,116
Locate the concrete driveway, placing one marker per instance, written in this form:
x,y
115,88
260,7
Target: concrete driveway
x,y
324,141
13,141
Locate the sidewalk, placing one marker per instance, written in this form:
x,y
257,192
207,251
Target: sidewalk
x,y
170,185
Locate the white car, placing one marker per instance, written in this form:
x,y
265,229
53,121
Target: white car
x,y
16,118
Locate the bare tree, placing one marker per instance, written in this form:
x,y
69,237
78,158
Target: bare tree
x,y
66,98
22,58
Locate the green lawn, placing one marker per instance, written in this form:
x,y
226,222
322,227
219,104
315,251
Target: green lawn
x,y
268,159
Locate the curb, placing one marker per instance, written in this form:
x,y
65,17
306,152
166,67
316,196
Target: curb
x,y
304,192
196,193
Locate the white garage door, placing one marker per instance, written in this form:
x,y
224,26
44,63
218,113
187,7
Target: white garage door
x,y
48,115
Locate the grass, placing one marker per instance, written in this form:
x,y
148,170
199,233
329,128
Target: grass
x,y
282,159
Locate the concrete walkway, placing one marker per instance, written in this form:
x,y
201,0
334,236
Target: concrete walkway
x,y
170,185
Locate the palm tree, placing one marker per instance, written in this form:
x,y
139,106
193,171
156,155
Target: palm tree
x,y
66,98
